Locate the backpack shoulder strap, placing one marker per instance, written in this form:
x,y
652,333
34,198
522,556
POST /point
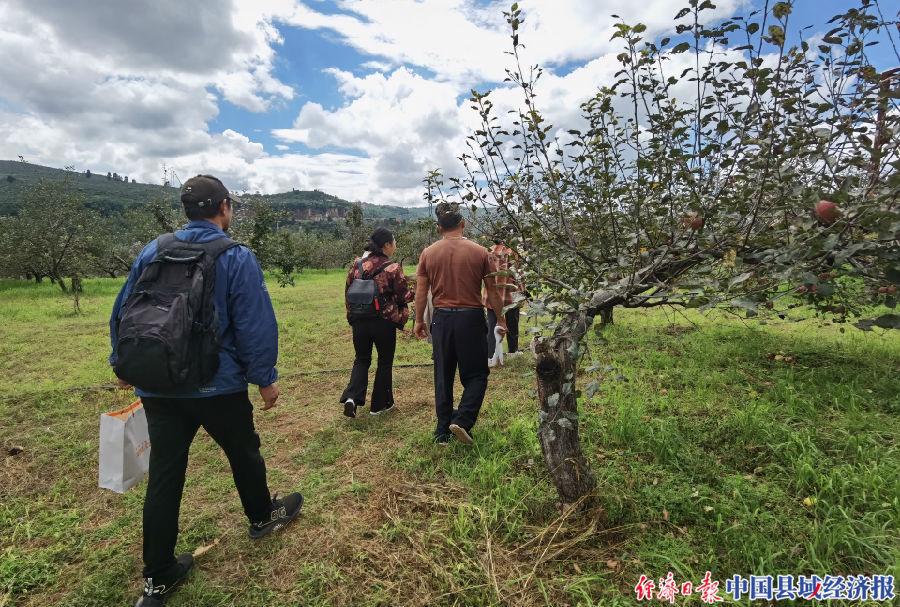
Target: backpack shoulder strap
x,y
216,247
381,269
359,269
165,242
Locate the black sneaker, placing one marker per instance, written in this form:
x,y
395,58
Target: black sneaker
x,y
461,434
349,408
284,510
157,590
442,439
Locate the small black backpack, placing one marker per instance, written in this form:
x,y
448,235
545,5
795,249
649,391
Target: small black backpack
x,y
363,296
168,337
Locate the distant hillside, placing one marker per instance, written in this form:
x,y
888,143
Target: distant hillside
x,y
110,196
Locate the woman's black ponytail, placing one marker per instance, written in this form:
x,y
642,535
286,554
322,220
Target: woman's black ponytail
x,y
379,238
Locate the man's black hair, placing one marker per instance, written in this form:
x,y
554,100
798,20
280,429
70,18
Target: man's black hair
x,y
195,213
448,215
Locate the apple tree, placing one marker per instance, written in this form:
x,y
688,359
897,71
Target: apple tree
x,y
56,235
257,225
732,164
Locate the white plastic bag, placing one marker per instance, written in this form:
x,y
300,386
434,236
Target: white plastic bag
x,y
498,348
428,315
124,448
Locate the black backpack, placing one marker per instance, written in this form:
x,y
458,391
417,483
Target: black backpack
x,y
363,296
168,337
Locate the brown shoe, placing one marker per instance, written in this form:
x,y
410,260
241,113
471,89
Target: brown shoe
x,y
461,434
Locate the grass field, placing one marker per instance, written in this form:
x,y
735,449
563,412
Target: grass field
x,y
718,445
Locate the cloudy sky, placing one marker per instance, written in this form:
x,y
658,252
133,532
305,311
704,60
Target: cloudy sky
x,y
354,97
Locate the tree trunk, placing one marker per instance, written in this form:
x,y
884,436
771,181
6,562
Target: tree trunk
x,y
76,293
606,317
556,367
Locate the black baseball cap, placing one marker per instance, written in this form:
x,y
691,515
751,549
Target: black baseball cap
x,y
204,191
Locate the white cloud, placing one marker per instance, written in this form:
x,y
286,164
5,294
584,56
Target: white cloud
x,y
127,88
406,123
439,35
464,42
200,43
383,111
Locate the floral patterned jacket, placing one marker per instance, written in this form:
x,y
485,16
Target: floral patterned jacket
x,y
392,285
503,259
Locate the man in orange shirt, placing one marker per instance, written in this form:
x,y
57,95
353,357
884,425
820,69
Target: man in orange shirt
x,y
454,268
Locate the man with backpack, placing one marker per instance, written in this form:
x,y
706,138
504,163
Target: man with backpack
x,y
192,326
454,268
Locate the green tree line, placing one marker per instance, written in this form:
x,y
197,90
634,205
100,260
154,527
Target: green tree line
x,y
55,235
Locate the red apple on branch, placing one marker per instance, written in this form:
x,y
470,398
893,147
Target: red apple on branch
x,y
693,220
826,212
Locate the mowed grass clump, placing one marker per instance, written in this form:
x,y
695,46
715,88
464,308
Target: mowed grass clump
x,y
718,445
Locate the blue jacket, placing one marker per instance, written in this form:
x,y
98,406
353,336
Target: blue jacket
x,y
247,326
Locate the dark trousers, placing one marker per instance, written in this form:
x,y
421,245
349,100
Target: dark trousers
x,y
172,423
458,340
512,334
383,335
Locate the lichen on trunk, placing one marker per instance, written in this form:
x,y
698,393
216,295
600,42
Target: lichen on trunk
x,y
556,368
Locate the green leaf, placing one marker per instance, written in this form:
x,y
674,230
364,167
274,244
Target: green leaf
x,y
776,33
739,279
680,48
745,304
893,274
781,10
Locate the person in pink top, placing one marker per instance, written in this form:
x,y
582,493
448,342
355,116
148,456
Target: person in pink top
x,y
503,259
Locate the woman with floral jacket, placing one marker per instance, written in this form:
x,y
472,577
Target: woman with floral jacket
x,y
393,305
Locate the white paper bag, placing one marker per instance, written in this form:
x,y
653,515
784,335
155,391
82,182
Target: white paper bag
x,y
124,448
498,349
